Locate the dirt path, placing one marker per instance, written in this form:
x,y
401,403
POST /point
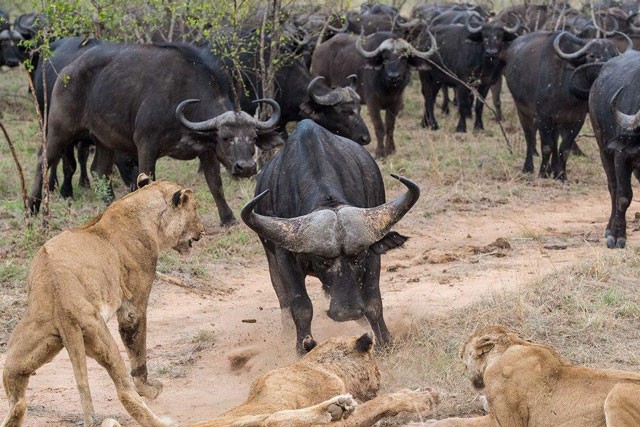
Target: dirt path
x,y
448,262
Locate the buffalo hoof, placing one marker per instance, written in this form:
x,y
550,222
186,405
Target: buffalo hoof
x,y
149,389
33,205
85,182
307,344
229,223
461,129
66,192
616,243
478,126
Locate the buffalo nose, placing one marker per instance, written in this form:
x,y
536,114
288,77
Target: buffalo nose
x,y
394,76
244,168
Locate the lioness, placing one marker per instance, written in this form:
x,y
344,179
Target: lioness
x,y
321,389
81,278
529,384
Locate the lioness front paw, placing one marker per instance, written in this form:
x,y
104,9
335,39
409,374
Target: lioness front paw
x,y
421,401
149,389
341,407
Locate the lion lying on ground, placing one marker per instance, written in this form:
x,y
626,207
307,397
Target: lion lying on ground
x,y
528,384
81,278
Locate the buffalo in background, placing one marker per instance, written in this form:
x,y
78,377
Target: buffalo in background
x,y
326,216
382,63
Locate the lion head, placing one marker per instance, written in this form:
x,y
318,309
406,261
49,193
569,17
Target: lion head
x,y
179,224
484,346
352,359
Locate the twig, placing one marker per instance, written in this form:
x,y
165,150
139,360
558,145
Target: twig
x,y
25,197
173,281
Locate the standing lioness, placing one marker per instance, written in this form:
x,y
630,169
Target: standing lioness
x,y
81,278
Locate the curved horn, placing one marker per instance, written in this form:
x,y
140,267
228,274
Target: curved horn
x,y
353,81
630,20
564,55
204,126
10,35
275,115
517,25
425,55
414,22
365,226
628,40
627,122
467,23
366,53
331,98
339,30
314,233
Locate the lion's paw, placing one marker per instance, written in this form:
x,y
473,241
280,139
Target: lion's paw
x,y
341,406
421,401
149,389
110,422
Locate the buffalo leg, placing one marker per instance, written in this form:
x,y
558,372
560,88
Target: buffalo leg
x,y
568,140
529,129
549,146
608,164
390,125
373,300
69,167
484,91
496,91
211,167
84,148
429,92
376,119
445,101
463,95
624,193
53,154
104,167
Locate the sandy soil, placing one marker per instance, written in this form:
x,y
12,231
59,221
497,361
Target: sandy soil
x,y
451,259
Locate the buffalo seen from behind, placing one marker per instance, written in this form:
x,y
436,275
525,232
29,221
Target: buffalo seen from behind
x,y
129,105
382,63
613,109
326,216
551,97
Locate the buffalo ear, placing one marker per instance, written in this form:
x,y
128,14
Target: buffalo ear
x,y
269,140
391,240
475,37
418,64
582,79
375,63
143,179
364,344
181,197
509,37
306,110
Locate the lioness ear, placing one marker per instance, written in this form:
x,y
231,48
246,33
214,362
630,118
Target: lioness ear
x,y
180,197
484,346
364,344
143,179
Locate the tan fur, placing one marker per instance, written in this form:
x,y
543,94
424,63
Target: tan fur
x,y
530,385
321,386
81,278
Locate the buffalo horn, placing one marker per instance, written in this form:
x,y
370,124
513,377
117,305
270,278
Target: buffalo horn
x,y
10,35
314,233
630,21
365,226
353,81
467,23
413,23
366,53
578,53
339,30
331,98
627,122
425,55
204,126
627,38
517,25
275,115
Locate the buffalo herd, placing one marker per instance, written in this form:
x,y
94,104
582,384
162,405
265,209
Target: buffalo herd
x,y
320,206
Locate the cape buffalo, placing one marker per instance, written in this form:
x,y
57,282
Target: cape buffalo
x,y
326,216
128,98
383,64
548,99
613,110
10,53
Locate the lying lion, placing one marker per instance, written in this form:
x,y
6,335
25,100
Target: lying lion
x,y
528,384
83,277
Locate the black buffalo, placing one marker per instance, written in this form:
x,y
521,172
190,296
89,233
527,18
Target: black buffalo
x,y
128,98
10,52
613,110
548,100
326,216
383,63
469,54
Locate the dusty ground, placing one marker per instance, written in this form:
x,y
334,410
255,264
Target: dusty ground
x,y
448,262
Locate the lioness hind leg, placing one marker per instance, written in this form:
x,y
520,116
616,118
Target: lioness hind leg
x,y
622,407
335,409
32,344
102,347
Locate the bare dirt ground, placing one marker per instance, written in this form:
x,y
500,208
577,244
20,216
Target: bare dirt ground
x,y
452,258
